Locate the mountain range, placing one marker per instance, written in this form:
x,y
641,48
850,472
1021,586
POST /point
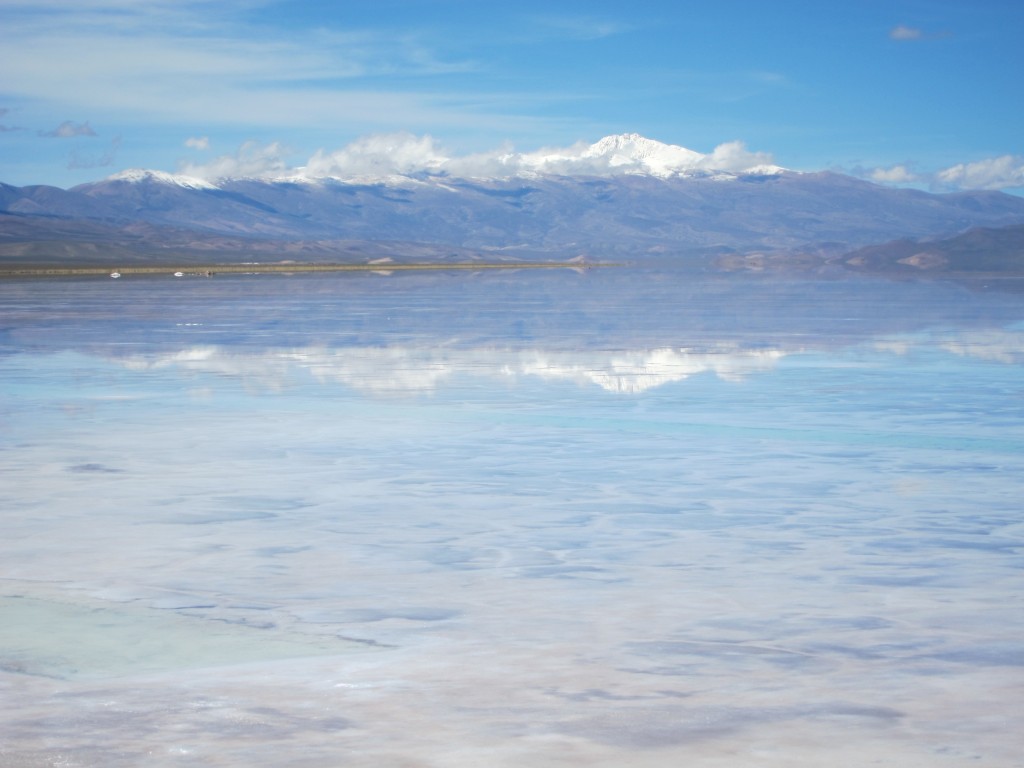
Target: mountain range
x,y
624,198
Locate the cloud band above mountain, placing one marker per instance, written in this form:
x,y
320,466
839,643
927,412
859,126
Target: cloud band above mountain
x,y
405,154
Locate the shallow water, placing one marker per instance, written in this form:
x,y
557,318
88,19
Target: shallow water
x,y
541,519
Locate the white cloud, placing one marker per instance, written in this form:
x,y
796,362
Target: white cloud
x,y
902,32
252,160
69,129
734,156
896,174
397,153
198,142
1004,172
6,128
407,154
612,156
625,154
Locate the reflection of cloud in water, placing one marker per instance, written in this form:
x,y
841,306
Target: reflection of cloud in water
x,y
400,369
997,345
993,345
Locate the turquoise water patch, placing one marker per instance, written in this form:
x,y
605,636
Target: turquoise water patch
x,y
88,640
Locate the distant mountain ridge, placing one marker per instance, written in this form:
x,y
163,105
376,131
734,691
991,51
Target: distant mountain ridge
x,y
628,199
982,249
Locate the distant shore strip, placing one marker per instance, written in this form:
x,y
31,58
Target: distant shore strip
x,y
209,270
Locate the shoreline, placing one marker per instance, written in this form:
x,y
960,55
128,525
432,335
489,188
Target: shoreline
x,y
210,270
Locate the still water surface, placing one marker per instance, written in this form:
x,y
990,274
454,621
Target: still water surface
x,y
545,519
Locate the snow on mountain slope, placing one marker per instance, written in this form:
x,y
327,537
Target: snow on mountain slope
x,y
613,215
136,175
628,153
634,151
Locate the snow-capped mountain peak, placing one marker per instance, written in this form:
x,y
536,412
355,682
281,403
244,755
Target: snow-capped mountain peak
x,y
646,155
139,175
618,155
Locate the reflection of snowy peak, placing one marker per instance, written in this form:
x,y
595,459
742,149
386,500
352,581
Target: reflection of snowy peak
x,y
398,370
632,372
409,370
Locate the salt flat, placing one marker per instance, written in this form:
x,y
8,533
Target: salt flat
x,y
542,519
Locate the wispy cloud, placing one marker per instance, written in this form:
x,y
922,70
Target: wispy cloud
x,y
720,86
580,27
902,32
201,143
197,61
251,160
83,160
69,129
5,128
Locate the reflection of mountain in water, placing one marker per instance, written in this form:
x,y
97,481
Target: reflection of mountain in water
x,y
602,309
408,369
622,330
397,370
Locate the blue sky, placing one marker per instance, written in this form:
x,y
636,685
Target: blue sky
x,y
926,92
